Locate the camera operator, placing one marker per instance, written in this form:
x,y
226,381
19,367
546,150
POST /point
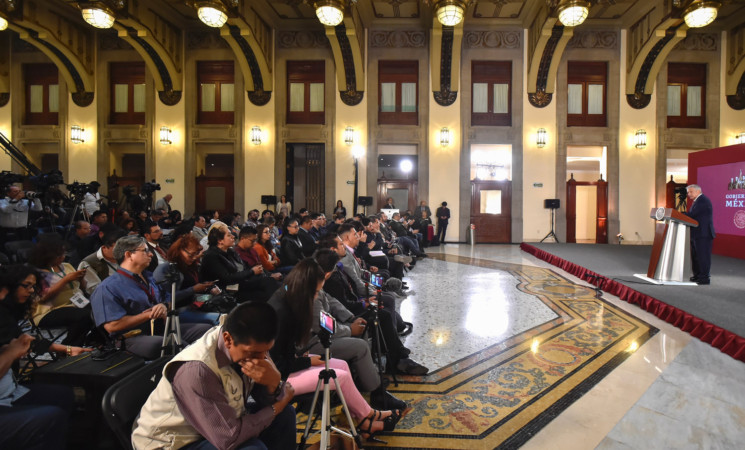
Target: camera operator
x,y
92,199
14,210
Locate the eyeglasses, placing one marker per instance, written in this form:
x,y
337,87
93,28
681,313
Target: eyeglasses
x,y
191,254
144,250
28,286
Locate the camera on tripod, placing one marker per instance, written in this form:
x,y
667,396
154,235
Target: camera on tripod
x,y
7,178
47,180
149,187
78,190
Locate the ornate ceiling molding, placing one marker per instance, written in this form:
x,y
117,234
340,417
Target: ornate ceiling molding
x,y
69,46
734,83
349,59
492,39
706,42
654,44
398,39
302,39
547,42
445,62
595,39
158,42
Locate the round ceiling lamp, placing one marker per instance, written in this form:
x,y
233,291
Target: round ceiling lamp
x,y
450,12
98,16
701,13
330,12
3,23
573,12
212,14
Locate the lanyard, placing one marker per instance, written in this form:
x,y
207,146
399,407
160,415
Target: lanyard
x,y
61,274
140,284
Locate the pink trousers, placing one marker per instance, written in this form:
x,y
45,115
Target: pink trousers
x,y
305,381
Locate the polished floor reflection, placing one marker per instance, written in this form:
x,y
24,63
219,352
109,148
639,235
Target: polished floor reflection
x,y
524,355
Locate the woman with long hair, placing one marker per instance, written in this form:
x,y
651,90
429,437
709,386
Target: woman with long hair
x,y
294,306
61,301
265,249
23,285
283,206
340,209
185,253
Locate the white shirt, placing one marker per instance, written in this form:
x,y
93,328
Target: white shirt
x,y
15,214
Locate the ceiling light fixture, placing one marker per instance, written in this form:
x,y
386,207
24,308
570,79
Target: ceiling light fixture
x,y
330,12
3,23
450,12
573,12
701,13
212,14
98,16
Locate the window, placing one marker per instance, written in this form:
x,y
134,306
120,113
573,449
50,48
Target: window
x,y
586,94
686,95
216,100
127,93
398,93
491,101
305,92
42,94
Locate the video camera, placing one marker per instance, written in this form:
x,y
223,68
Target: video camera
x,y
372,278
79,190
128,190
150,187
7,178
47,180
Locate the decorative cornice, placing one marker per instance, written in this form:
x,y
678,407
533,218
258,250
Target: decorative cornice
x,y
261,95
259,98
110,41
540,98
350,96
737,101
446,97
204,39
397,39
493,39
640,100
707,42
302,39
169,96
594,39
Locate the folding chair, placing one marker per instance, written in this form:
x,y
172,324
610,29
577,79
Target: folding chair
x,y
123,401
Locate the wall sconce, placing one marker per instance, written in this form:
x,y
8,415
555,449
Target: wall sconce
x,y
165,136
444,136
77,134
541,137
640,139
349,136
255,135
740,138
3,23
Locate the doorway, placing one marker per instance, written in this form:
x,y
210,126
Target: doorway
x,y
397,178
305,176
587,195
215,185
491,193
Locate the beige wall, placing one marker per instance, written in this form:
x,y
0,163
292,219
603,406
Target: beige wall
x,y
443,161
5,128
83,158
731,122
355,117
259,160
169,159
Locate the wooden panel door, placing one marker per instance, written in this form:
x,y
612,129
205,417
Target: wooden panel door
x,y
214,193
601,219
386,189
491,211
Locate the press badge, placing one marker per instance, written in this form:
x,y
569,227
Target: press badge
x,y
79,300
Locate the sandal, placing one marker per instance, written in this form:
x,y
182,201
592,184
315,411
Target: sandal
x,y
390,422
369,434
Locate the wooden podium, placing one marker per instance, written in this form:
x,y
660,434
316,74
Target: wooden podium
x,y
670,261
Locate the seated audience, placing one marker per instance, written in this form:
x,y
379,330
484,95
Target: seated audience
x,y
291,248
309,244
32,416
223,265
129,225
199,231
98,219
99,265
183,263
75,242
252,219
130,300
202,401
246,251
294,306
61,300
153,234
265,249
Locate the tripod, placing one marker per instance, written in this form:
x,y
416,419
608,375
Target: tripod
x,y
379,346
172,332
323,378
551,233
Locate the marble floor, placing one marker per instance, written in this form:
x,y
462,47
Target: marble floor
x,y
658,387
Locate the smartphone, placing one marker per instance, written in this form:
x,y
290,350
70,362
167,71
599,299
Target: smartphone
x,y
376,280
328,323
366,275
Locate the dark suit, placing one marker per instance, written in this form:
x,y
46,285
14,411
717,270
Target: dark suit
x,y
701,237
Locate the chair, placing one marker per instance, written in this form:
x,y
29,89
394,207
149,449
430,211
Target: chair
x,y
123,401
13,247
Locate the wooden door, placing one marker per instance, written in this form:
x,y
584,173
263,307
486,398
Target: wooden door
x,y
601,219
305,176
400,189
491,211
214,193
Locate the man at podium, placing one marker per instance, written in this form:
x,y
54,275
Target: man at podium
x,y
701,236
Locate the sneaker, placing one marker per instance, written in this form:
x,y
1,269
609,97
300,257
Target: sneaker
x,y
408,366
402,258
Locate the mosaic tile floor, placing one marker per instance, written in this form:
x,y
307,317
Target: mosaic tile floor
x,y
510,346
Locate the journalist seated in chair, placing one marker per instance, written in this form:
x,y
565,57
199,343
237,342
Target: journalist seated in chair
x,y
100,265
265,249
130,299
31,416
221,264
61,303
294,306
183,268
291,248
202,400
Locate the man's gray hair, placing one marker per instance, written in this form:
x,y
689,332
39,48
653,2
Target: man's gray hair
x,y
127,244
694,186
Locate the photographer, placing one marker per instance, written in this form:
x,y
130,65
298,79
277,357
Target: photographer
x,y
91,198
14,210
